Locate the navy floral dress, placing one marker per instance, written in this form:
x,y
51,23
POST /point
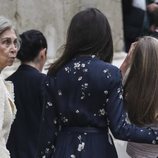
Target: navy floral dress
x,y
85,103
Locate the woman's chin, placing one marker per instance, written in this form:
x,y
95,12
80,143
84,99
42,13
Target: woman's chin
x,y
11,63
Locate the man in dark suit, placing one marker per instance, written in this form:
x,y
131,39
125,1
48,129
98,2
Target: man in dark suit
x,y
28,80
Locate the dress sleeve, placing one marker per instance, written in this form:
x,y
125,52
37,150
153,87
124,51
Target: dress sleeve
x,y
119,125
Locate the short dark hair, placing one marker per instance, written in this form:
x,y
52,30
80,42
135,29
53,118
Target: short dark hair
x,y
89,33
32,42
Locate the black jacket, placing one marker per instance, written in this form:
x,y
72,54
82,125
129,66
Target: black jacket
x,y
133,19
23,139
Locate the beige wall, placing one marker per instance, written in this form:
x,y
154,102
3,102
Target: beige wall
x,y
52,17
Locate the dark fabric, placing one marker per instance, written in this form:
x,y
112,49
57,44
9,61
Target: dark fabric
x,y
24,135
126,6
149,1
95,145
153,17
87,99
133,19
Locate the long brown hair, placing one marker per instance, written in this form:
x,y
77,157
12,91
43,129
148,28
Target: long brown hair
x,y
89,33
141,88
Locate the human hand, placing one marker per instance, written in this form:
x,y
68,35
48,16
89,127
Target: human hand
x,y
128,60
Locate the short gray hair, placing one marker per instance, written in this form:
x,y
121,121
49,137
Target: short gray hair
x,y
5,24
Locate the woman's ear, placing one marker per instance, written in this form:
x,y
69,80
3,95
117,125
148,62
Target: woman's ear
x,y
43,53
42,58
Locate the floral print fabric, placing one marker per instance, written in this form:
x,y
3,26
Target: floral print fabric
x,y
86,101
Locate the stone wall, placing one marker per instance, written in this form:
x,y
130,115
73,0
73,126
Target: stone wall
x,y
52,17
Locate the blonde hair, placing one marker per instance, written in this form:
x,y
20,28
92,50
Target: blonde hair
x,y
141,87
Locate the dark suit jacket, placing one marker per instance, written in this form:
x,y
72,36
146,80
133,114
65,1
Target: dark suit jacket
x,y
133,19
24,133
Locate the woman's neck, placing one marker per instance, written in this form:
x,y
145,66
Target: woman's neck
x,y
32,64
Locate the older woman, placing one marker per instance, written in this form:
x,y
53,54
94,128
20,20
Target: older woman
x,y
9,46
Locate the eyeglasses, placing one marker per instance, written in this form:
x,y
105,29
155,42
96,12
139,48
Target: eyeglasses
x,y
7,42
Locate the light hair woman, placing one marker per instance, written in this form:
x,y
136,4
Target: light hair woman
x,y
141,92
9,45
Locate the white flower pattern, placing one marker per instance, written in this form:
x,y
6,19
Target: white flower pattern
x,y
96,110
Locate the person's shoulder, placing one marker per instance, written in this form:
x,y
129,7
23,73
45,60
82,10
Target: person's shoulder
x,y
43,75
11,77
34,74
114,71
100,64
105,71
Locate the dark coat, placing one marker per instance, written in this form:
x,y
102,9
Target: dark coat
x,y
23,139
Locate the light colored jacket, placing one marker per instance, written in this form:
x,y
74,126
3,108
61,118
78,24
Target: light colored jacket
x,y
7,114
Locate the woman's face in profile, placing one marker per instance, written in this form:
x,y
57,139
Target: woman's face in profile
x,y
8,48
